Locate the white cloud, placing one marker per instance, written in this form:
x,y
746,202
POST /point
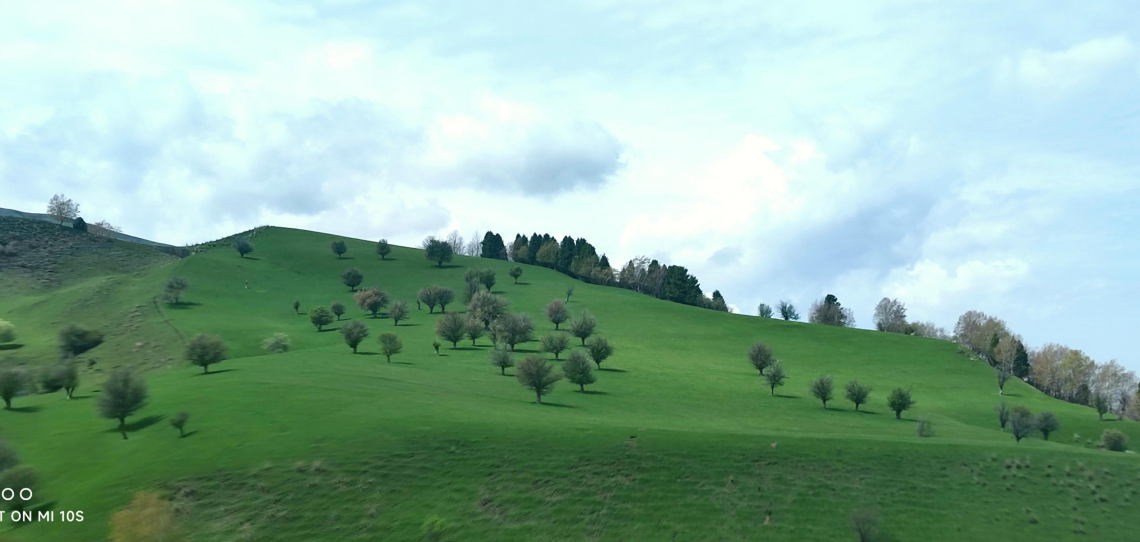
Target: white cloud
x,y
1080,66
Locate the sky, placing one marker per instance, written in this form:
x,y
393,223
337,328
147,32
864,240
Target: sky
x,y
958,156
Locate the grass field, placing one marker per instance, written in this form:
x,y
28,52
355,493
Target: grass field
x,y
678,439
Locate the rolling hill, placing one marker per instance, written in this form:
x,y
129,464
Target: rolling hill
x,y
679,438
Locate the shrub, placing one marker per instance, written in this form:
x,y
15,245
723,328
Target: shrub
x,y
383,249
487,278
390,345
339,248
205,350
775,377
899,401
865,523
276,344
1114,441
555,342
173,290
354,333
433,528
569,292
337,309
69,377
12,382
243,246
436,344
50,379
351,277
924,427
7,332
79,224
297,306
537,375
451,327
583,326
1047,422
124,393
1022,423
515,273
578,371
8,457
372,300
600,350
1003,415
178,421
556,312
857,393
821,389
474,329
17,478
399,311
147,518
74,340
760,356
502,359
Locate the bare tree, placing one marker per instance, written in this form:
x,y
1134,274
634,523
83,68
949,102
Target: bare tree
x,y
890,316
62,209
474,246
104,228
455,241
1003,372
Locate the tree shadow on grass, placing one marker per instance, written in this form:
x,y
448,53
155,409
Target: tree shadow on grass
x,y
367,353
183,305
408,324
216,372
79,397
326,330
138,425
525,351
787,396
465,348
612,370
26,409
11,346
401,362
594,392
188,434
871,412
557,405
446,266
254,258
346,257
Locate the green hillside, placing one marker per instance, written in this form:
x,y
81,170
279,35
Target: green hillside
x,y
679,438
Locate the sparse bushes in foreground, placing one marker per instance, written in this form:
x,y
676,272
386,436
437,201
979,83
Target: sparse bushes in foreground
x,y
536,374
354,333
278,343
205,350
124,393
22,477
577,370
899,401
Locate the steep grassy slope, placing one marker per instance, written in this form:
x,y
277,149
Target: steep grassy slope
x,y
678,439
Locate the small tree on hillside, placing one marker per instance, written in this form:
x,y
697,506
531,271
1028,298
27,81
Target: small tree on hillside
x,y
1047,422
178,421
555,343
502,359
278,343
1111,440
775,377
1022,423
583,326
451,327
487,278
427,297
557,313
297,306
79,224
515,273
788,311
537,375
62,209
69,377
436,344
1100,403
569,292
12,382
899,401
1003,413
320,317
444,296
173,290
578,371
371,300
7,332
1003,372
487,307
352,277
243,246
821,389
513,329
760,356
205,350
354,333
599,349
857,393
390,345
438,252
764,310
339,248
475,329
124,393
399,311
383,249
75,341
337,309
470,288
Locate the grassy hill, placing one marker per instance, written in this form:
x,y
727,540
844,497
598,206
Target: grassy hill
x,y
679,438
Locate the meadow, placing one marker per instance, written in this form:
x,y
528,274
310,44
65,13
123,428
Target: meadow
x,y
678,439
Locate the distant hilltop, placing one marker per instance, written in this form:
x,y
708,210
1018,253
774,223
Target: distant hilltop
x,y
48,218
